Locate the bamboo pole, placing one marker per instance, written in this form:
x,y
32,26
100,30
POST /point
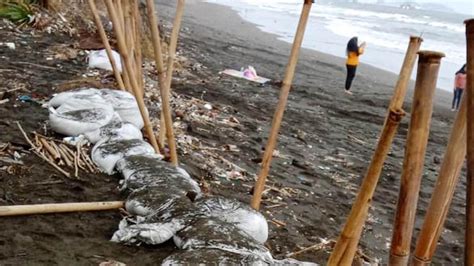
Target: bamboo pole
x,y
59,207
469,234
165,93
417,139
105,41
444,190
349,237
136,17
280,109
159,66
129,65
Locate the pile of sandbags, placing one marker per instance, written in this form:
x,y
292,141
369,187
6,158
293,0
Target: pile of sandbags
x,y
164,202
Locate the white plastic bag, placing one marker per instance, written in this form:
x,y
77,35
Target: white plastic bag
x,y
99,59
115,129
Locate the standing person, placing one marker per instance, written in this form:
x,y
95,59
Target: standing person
x,y
459,86
353,51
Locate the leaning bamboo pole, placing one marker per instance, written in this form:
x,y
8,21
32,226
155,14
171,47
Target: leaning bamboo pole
x,y
16,210
417,139
135,87
280,109
105,42
469,234
165,94
169,76
444,190
152,18
346,245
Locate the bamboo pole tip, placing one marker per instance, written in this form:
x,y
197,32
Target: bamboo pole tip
x,y
469,22
306,2
416,39
426,56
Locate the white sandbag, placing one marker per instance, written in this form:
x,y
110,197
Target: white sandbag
x,y
106,153
166,213
145,170
115,129
211,233
99,59
82,93
212,257
125,104
76,122
237,213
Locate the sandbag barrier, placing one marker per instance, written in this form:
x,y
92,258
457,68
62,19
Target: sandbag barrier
x,y
163,200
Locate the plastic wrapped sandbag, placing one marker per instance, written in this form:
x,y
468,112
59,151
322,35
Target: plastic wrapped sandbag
x,y
144,170
125,104
237,213
212,257
76,122
106,153
85,94
211,233
115,129
166,213
99,59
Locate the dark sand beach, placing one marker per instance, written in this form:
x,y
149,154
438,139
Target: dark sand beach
x,y
325,145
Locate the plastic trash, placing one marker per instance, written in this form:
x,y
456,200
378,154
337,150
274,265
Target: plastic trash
x,y
99,59
211,233
237,213
106,153
76,122
250,72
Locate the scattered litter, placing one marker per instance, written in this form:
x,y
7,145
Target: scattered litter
x,y
10,45
242,74
99,59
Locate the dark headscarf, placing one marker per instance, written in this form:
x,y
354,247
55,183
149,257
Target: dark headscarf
x,y
462,70
352,46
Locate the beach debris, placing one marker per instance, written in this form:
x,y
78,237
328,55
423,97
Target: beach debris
x,y
247,74
99,59
9,45
59,155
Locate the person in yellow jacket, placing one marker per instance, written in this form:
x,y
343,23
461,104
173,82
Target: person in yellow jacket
x,y
353,51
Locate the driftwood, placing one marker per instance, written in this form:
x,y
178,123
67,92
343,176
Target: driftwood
x,y
59,207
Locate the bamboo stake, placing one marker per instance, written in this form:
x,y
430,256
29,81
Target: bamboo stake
x,y
349,237
444,189
129,65
469,235
159,66
277,117
105,42
417,139
165,93
136,17
59,208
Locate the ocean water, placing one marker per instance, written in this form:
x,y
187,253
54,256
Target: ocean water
x,y
385,29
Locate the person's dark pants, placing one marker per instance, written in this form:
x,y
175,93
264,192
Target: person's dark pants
x,y
457,98
351,72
